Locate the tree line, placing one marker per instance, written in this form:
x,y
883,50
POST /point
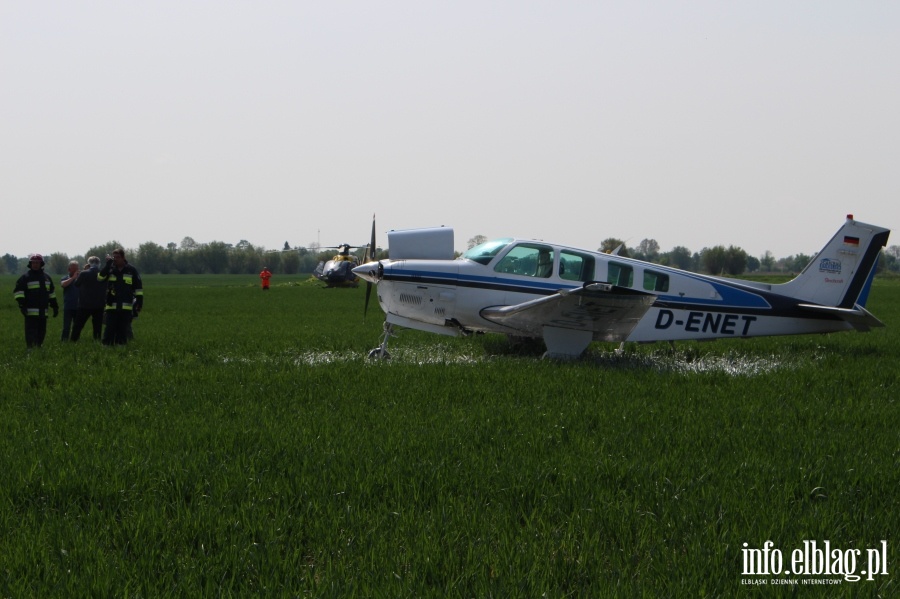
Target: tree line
x,y
190,257
218,257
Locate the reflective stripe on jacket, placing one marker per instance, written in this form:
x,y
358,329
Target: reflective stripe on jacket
x,y
35,293
124,289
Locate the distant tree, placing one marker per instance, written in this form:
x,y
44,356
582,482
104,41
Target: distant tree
x,y
237,261
648,250
795,263
477,240
290,263
188,261
152,258
57,263
102,250
254,261
308,262
696,262
214,257
10,262
287,246
781,264
890,258
752,264
610,244
721,260
274,260
735,260
678,257
767,262
713,259
171,253
188,243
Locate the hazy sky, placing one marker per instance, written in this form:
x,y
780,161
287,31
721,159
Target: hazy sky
x,y
759,124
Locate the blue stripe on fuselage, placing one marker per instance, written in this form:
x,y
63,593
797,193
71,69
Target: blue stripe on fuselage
x,y
478,282
731,296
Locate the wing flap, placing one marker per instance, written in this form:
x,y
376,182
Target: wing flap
x,y
609,312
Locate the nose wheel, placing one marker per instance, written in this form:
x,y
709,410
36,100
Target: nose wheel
x,y
381,351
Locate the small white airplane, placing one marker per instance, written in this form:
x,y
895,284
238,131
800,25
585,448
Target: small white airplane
x,y
570,297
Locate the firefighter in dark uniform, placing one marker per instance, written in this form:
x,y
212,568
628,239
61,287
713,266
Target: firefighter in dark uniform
x,y
124,297
35,294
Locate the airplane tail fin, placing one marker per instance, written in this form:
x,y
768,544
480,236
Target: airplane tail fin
x,y
840,275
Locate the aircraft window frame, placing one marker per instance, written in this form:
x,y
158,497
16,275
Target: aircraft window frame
x,y
483,253
621,268
585,270
527,264
656,281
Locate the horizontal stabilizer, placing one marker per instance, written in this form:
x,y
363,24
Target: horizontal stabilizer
x,y
861,319
609,312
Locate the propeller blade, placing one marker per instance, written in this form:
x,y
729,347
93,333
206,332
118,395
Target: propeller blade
x,y
370,255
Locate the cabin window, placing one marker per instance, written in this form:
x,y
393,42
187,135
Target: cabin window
x,y
620,274
527,259
655,281
485,252
575,267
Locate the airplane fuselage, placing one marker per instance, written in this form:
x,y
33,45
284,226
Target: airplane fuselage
x,y
536,289
452,294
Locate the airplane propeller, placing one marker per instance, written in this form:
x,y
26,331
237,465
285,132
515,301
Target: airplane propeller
x,y
370,256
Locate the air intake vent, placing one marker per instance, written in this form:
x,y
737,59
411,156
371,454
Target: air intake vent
x,y
410,299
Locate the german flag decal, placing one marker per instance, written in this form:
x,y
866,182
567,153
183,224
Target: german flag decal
x,y
851,240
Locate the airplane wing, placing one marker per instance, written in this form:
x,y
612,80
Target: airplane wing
x,y
608,311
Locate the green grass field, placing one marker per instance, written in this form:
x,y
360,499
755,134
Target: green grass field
x,y
243,444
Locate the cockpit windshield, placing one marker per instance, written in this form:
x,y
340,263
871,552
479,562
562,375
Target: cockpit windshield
x,y
485,252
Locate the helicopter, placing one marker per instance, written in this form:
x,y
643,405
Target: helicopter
x,y
338,272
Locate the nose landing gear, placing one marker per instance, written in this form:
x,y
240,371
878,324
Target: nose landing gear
x,y
381,351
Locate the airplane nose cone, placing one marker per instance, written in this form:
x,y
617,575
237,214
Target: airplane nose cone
x,y
368,272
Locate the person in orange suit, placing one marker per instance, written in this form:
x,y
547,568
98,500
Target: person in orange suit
x,y
265,275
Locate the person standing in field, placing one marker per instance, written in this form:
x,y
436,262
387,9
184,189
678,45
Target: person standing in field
x,y
91,300
35,293
265,275
70,298
124,296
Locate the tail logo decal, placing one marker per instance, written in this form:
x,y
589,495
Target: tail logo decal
x,y
830,266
